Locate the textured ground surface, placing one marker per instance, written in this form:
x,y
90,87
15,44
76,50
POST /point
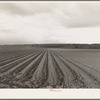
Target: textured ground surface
x,y
49,68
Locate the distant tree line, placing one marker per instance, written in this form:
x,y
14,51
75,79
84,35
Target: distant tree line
x,y
69,46
66,46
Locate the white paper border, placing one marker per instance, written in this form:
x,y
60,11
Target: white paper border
x,y
47,94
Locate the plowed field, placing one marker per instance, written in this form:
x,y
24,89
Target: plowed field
x,y
49,68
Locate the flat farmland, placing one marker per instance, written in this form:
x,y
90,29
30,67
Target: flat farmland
x,y
31,67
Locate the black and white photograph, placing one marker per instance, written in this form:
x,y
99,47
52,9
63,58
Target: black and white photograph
x,y
46,45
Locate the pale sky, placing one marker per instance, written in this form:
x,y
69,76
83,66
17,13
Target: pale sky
x,y
22,23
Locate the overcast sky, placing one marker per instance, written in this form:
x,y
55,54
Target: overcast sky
x,y
49,23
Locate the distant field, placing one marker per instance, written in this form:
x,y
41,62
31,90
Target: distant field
x,y
31,67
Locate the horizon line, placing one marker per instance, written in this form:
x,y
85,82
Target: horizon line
x,y
49,44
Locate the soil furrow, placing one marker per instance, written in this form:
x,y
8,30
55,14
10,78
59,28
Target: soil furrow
x,y
6,62
52,74
60,76
11,73
27,72
84,75
76,82
15,63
